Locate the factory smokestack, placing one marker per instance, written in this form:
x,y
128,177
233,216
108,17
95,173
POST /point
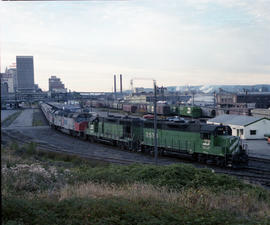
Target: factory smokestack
x,y
121,83
115,85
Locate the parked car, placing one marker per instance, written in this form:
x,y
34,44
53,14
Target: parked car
x,y
148,116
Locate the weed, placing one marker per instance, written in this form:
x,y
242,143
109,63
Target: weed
x,y
40,187
31,148
112,210
11,118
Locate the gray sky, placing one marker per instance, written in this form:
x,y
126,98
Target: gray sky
x,y
177,42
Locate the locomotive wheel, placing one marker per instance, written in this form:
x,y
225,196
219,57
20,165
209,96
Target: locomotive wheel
x,y
142,149
90,139
161,152
201,158
85,137
126,146
121,145
152,152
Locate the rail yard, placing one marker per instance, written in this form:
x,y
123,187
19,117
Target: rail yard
x,y
24,130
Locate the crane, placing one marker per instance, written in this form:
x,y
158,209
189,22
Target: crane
x,y
140,78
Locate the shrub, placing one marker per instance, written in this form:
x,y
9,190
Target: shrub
x,y
31,148
111,211
175,176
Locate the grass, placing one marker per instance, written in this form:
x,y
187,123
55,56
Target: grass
x,y
37,123
110,211
38,118
9,120
40,187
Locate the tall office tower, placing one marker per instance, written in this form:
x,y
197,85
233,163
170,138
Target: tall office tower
x,y
25,73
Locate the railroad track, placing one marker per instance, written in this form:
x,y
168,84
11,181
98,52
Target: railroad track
x,y
255,159
252,174
257,170
51,148
263,179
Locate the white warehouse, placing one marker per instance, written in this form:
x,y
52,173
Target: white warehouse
x,y
246,127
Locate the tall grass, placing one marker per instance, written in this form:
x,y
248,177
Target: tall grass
x,y
9,120
236,202
66,189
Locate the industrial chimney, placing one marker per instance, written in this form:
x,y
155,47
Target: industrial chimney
x,y
121,83
115,85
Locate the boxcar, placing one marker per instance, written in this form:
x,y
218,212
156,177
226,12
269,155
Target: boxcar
x,y
129,108
150,108
114,106
163,109
142,108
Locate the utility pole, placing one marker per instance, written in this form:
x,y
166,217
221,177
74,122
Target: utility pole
x,y
155,122
155,112
193,93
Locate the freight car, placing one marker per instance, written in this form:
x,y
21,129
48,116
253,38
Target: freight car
x,y
174,110
190,111
208,112
162,109
131,108
142,108
97,104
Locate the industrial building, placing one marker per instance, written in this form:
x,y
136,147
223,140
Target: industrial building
x,y
25,73
56,85
243,100
7,83
246,127
261,113
259,99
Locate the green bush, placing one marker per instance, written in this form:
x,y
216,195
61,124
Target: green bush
x,y
110,211
31,148
14,146
174,176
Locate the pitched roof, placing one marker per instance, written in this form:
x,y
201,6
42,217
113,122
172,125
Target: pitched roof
x,y
235,119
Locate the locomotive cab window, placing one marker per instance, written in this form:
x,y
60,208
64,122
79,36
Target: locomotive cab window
x,y
127,131
224,130
205,136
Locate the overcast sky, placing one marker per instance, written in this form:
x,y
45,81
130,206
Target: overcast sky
x,y
177,42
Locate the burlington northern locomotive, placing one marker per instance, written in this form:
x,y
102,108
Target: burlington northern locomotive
x,y
202,142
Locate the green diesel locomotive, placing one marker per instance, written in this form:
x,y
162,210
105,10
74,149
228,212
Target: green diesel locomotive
x,y
202,142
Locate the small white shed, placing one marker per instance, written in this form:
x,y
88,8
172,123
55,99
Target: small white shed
x,y
246,127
